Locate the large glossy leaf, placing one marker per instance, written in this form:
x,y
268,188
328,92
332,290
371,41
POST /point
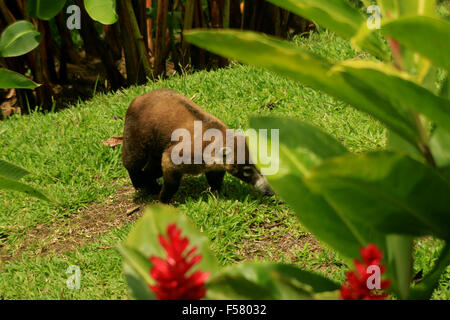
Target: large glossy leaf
x,y
348,81
19,38
103,11
142,243
11,171
387,191
399,8
336,15
268,281
440,147
302,147
10,79
386,82
414,32
400,260
45,9
425,288
137,273
10,184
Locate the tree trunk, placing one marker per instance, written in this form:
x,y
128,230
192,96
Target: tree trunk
x,y
150,43
112,41
161,26
69,50
114,76
47,53
140,8
44,92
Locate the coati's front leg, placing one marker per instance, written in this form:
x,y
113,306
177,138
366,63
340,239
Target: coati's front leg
x,y
172,178
215,179
170,186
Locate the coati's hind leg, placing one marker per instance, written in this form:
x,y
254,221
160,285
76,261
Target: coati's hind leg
x,y
134,159
215,179
170,186
152,171
134,168
172,179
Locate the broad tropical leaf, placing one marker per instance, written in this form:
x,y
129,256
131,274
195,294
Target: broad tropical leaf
x,y
378,190
10,79
400,261
302,147
393,9
267,281
45,9
11,171
336,15
10,184
414,33
19,38
348,81
103,11
142,243
425,288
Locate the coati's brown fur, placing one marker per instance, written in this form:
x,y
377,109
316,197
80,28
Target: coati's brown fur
x,y
149,123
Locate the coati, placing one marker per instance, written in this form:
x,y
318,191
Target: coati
x,y
148,147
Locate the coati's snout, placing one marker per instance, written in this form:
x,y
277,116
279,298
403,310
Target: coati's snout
x,y
161,128
251,175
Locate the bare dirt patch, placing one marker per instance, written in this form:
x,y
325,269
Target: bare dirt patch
x,y
124,207
86,226
279,242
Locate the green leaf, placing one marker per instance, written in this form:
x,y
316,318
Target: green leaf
x,y
19,38
45,9
445,89
138,262
440,147
386,82
10,79
336,15
137,273
413,32
348,81
103,11
400,8
400,260
11,171
143,242
6,183
398,144
144,236
425,288
302,147
267,281
386,191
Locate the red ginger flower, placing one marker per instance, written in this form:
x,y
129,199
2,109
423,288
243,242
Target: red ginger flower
x,y
356,286
170,274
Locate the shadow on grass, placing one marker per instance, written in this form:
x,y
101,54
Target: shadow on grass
x,y
197,188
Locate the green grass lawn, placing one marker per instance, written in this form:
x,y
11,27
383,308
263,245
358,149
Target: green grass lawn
x,y
64,151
